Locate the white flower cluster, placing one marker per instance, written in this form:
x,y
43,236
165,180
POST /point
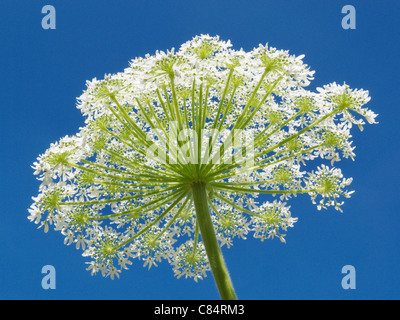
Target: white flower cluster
x,y
240,122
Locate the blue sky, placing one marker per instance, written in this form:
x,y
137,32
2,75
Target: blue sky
x,y
43,71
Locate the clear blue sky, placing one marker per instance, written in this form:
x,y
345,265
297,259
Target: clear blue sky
x,y
43,71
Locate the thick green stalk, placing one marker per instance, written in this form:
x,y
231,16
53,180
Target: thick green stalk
x,y
214,254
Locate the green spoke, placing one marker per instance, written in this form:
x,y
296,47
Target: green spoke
x,y
126,178
175,102
262,164
163,105
248,105
228,141
182,207
170,207
224,186
332,113
136,196
125,125
236,206
148,171
142,184
249,118
170,108
140,133
221,102
224,168
151,205
247,183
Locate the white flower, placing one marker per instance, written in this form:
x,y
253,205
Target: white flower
x,y
241,123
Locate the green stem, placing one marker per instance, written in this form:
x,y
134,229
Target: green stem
x,y
217,263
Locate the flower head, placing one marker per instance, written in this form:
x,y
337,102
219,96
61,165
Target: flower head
x,y
240,123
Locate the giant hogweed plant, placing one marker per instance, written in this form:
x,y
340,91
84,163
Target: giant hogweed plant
x,y
177,149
